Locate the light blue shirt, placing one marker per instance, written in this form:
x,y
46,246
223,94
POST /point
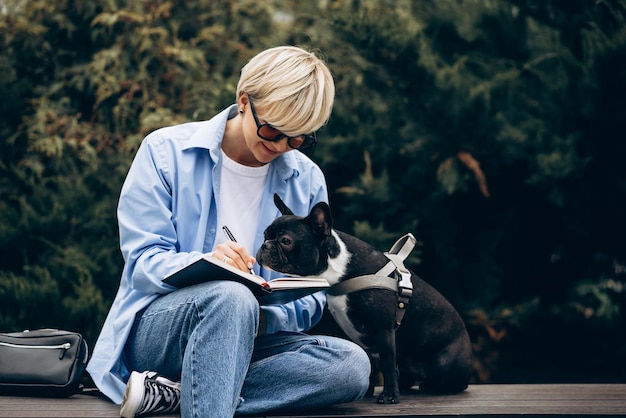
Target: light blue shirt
x,y
167,219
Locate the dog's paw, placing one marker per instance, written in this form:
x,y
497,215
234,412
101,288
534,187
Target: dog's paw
x,y
385,398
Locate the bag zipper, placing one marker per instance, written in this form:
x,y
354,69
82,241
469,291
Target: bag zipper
x,y
63,347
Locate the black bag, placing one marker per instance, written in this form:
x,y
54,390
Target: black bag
x,y
43,362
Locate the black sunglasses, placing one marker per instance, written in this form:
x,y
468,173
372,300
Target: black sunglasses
x,y
269,133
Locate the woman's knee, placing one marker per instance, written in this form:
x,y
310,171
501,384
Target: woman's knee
x,y
354,367
228,300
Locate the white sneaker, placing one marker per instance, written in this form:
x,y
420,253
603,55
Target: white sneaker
x,y
148,393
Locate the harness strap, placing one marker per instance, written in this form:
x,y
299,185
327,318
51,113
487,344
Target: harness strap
x,y
396,255
368,281
400,282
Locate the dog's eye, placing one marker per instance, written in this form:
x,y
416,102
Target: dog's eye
x,y
285,241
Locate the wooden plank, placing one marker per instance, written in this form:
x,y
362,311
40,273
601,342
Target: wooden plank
x,y
75,406
500,400
590,400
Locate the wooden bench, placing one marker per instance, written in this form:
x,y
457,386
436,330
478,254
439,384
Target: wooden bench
x,y
580,400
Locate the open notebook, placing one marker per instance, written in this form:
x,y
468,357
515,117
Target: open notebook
x,y
280,290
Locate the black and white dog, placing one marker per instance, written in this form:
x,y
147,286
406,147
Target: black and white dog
x,y
430,347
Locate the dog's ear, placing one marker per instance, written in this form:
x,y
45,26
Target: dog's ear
x,y
320,220
284,210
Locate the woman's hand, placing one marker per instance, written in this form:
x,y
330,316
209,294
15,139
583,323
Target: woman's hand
x,y
234,254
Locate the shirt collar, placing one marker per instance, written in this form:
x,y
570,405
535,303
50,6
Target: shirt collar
x,y
211,132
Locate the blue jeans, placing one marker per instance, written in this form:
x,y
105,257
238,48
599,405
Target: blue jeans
x,y
204,337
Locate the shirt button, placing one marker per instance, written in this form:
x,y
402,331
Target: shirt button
x,y
212,231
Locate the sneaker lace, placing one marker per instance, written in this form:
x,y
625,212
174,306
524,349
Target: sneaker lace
x,y
159,397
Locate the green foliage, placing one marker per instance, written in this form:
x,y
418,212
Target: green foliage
x,y
492,130
557,341
496,125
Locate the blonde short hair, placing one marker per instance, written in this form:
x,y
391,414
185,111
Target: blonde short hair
x,y
294,88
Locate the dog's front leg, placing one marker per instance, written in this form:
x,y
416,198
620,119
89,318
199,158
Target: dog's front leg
x,y
387,349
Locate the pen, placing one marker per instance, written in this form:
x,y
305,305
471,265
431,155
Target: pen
x,y
229,234
231,237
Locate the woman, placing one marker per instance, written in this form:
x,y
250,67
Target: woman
x,y
210,347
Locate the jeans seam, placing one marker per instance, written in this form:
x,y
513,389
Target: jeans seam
x,y
194,386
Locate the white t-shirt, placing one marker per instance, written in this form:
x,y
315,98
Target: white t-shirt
x,y
239,202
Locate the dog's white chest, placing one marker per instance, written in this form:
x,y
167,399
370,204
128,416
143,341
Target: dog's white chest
x,y
338,307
